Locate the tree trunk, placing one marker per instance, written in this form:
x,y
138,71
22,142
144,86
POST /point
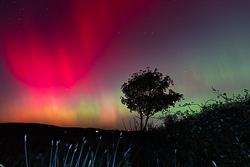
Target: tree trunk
x,y
141,120
146,122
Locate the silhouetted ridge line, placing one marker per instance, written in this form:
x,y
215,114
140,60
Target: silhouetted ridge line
x,y
28,128
17,127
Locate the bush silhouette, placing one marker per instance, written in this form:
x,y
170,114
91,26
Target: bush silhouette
x,y
218,134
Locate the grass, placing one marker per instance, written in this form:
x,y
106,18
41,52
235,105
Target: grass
x,y
90,158
107,152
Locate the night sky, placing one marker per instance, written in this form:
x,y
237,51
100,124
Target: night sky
x,y
63,62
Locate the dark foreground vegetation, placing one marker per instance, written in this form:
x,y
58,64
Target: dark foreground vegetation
x,y
217,135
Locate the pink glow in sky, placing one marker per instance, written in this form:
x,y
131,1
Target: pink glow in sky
x,y
63,62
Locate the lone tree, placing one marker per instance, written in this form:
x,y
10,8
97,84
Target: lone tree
x,y
146,93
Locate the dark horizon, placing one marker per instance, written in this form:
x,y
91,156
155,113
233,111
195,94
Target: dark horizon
x,y
19,127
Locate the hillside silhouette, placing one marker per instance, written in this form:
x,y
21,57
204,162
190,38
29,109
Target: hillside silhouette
x,y
41,128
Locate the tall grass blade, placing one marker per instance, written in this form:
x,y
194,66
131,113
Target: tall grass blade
x,y
175,157
91,158
71,162
100,160
65,152
55,156
136,154
108,157
116,149
50,161
89,163
84,163
78,161
124,156
25,148
214,164
65,160
93,163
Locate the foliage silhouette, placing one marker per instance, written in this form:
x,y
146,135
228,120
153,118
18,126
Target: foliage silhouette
x,y
218,133
145,93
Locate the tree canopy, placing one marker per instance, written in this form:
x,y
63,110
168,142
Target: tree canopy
x,y
146,93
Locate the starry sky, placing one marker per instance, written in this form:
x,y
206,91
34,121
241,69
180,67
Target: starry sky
x,y
63,62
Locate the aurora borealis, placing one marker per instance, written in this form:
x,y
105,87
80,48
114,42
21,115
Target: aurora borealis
x,y
63,62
